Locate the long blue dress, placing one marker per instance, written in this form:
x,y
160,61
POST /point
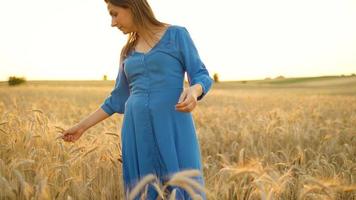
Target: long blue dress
x,y
156,138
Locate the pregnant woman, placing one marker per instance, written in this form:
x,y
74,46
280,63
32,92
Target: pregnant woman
x,y
158,131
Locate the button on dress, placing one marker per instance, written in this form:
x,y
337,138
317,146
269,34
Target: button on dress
x,y
156,138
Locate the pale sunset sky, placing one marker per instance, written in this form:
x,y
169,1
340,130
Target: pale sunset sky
x,y
238,39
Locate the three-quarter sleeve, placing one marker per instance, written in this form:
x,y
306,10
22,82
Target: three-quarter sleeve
x,y
195,68
115,102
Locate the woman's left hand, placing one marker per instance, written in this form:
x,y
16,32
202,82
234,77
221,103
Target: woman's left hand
x,y
188,98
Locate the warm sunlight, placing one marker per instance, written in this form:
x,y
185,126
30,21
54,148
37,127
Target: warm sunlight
x,y
236,39
266,110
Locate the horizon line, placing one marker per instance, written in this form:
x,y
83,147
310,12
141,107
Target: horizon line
x,y
228,80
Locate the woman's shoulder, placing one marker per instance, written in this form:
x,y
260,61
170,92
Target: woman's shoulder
x,y
178,28
179,31
177,37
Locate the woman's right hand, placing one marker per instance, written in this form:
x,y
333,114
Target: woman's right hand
x,y
73,134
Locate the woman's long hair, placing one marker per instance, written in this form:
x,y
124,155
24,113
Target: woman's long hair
x,y
143,18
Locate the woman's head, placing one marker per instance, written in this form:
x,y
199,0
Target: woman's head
x,y
121,17
133,17
139,13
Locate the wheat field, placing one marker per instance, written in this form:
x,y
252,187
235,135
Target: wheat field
x,y
258,141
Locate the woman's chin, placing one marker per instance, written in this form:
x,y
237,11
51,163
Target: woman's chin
x,y
123,31
126,32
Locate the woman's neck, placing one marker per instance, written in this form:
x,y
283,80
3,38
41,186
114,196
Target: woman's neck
x,y
151,30
151,35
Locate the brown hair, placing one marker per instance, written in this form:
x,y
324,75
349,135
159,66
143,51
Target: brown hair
x,y
143,18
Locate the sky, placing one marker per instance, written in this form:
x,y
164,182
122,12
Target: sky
x,y
238,39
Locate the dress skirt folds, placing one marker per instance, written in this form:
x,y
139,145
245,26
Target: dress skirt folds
x,y
156,138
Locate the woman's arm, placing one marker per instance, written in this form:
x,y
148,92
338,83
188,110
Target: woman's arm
x,y
74,133
115,103
94,118
198,76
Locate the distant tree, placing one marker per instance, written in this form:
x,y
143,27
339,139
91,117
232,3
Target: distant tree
x,y
105,77
243,82
13,80
342,75
280,77
216,77
353,74
268,78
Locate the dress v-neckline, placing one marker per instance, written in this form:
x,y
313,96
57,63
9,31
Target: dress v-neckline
x,y
157,43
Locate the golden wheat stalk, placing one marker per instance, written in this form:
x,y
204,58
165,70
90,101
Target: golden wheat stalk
x,y
159,190
195,184
242,171
2,123
113,134
242,158
7,189
59,137
37,110
3,131
69,179
136,190
76,150
182,180
349,188
42,190
187,173
89,151
23,162
59,128
173,195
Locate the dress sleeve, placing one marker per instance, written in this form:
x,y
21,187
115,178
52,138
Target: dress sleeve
x,y
195,68
115,102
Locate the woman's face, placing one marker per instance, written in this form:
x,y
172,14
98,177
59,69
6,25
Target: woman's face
x,y
121,18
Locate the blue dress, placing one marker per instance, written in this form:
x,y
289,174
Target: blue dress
x,y
156,138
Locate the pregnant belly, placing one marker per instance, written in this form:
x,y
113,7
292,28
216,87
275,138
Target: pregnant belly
x,y
154,100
